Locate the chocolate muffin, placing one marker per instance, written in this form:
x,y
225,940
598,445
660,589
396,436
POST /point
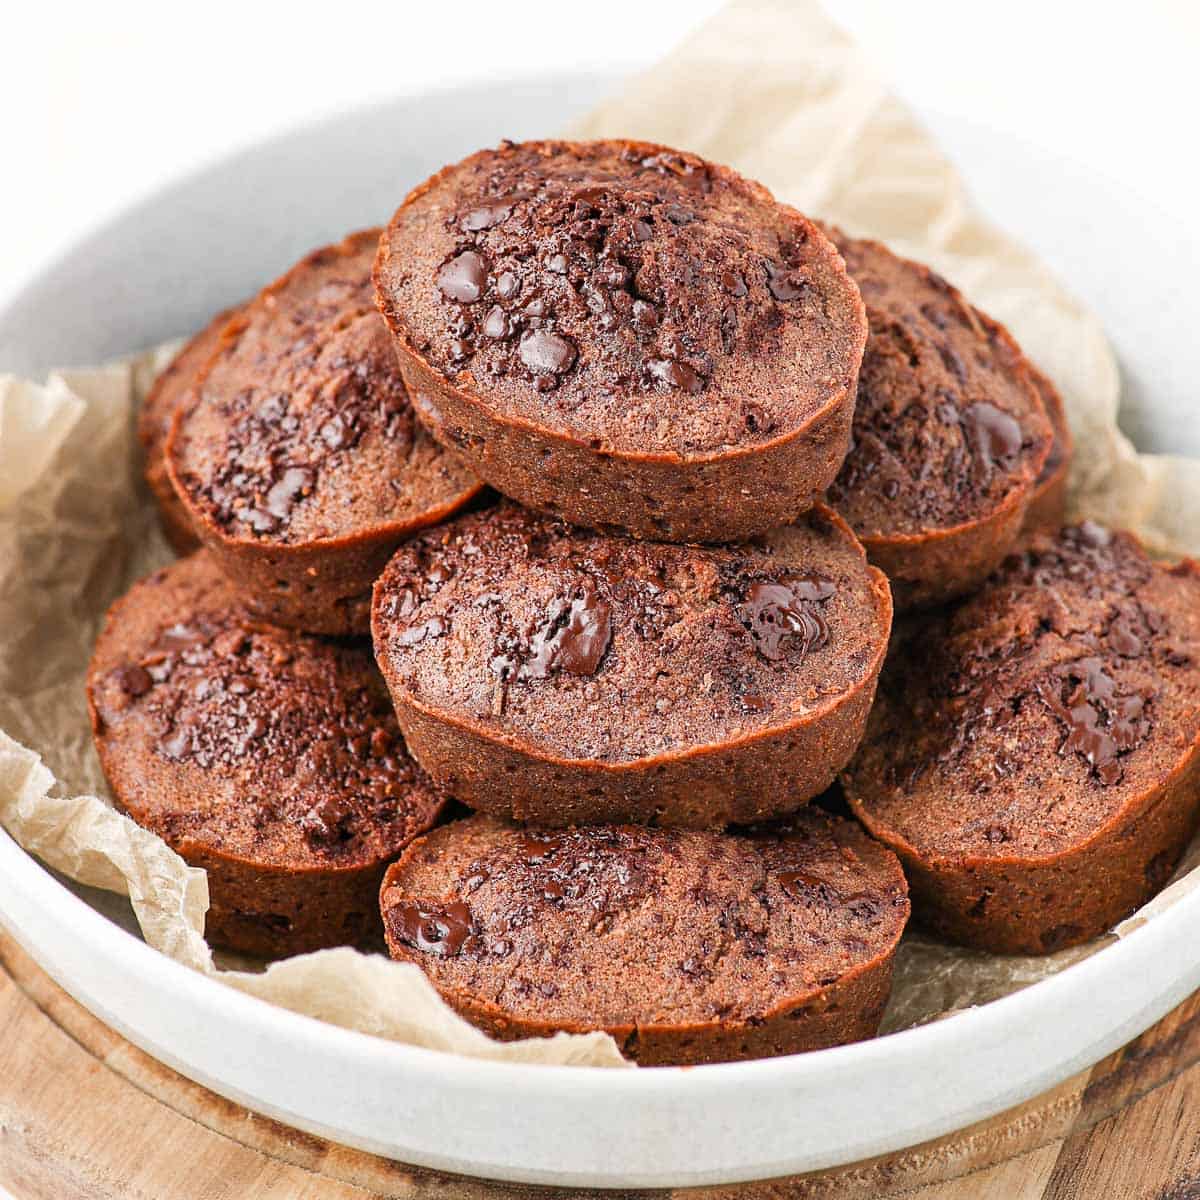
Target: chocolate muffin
x,y
624,335
949,434
561,677
1033,755
154,423
686,946
297,455
268,757
1048,503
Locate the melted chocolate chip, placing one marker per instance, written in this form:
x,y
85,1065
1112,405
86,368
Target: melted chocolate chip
x,y
328,823
733,283
496,324
337,432
179,637
993,435
442,930
435,627
678,215
463,278
1101,723
780,616
492,213
784,284
177,744
133,680
686,168
645,316
574,639
537,847
402,604
294,483
952,361
546,353
1124,639
258,519
802,885
677,374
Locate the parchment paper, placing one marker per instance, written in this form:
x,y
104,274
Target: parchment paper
x,y
772,88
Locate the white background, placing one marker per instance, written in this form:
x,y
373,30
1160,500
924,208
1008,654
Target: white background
x,y
101,102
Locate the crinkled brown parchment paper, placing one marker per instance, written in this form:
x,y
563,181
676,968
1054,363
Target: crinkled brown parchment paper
x,y
775,90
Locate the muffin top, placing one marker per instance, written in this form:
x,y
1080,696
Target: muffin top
x,y
1030,716
597,647
619,925
299,429
948,425
259,743
623,294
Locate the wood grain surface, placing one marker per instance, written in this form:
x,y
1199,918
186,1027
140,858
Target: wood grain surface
x,y
84,1115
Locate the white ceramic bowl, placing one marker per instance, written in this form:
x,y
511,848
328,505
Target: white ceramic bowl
x,y
160,270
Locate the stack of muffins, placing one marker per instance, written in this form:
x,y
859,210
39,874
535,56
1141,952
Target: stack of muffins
x,y
723,440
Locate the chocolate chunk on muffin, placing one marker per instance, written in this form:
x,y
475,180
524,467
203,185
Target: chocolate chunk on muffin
x,y
1048,503
268,757
625,335
297,454
949,435
1033,755
552,675
686,946
154,423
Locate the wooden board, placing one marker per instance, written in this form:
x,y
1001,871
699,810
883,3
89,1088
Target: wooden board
x,y
86,1116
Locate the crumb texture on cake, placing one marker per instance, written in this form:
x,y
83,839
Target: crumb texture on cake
x,y
247,741
1030,717
685,945
948,423
300,429
594,647
624,294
